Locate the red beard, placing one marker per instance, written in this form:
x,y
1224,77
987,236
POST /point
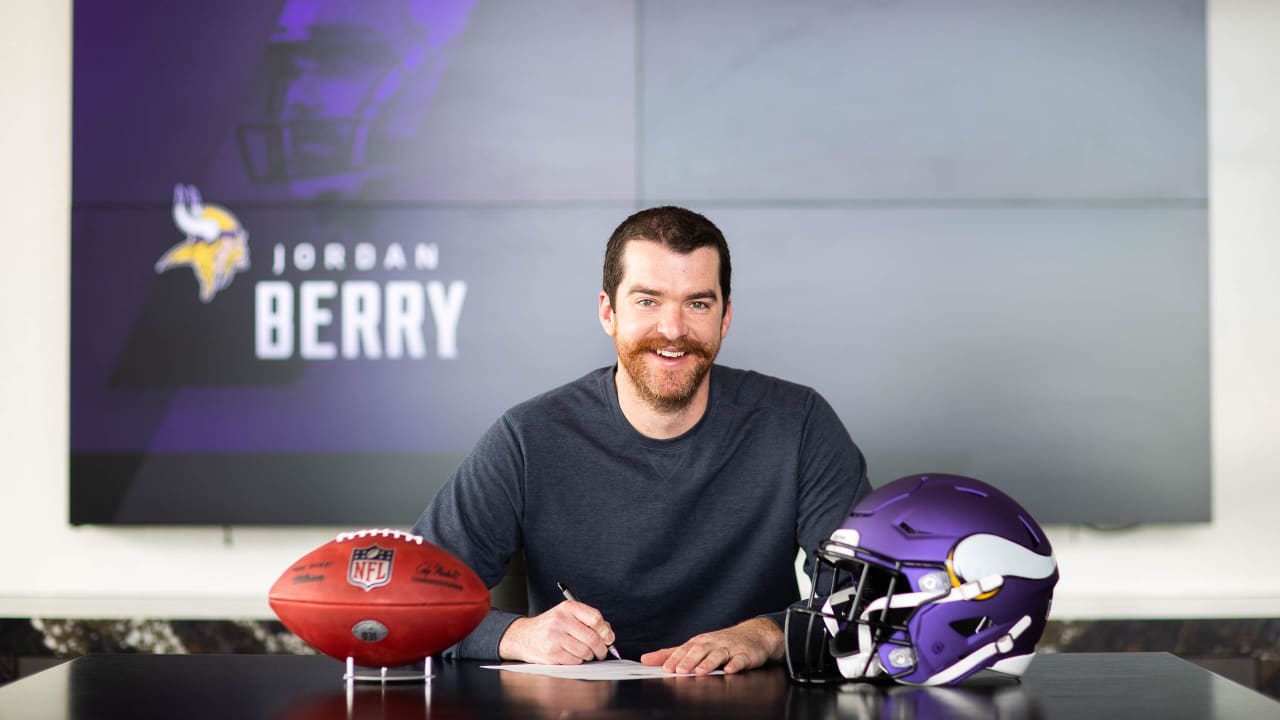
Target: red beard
x,y
666,389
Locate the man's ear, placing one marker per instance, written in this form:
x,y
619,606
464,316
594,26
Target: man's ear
x,y
607,319
726,319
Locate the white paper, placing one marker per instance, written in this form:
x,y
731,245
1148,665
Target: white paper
x,y
596,670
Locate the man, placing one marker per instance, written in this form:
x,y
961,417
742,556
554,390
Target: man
x,y
668,492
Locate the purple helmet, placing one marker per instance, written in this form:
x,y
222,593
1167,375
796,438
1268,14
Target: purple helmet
x,y
930,579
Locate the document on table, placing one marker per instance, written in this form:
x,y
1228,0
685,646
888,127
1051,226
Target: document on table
x,y
597,670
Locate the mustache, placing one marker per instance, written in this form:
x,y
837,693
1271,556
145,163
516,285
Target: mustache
x,y
691,347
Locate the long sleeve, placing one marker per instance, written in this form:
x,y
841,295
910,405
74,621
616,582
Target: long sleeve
x,y
832,477
477,516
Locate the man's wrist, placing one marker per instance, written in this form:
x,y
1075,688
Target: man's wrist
x,y
509,643
771,636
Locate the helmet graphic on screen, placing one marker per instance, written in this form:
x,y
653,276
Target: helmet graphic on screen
x,y
930,579
346,85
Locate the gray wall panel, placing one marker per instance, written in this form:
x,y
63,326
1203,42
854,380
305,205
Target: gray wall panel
x,y
1058,353
534,109
870,100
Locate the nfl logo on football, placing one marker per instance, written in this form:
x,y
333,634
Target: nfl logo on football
x,y
370,567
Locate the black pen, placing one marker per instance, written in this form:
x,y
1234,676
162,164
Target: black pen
x,y
568,595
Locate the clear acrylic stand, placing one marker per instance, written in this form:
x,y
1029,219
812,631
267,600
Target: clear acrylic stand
x,y
384,675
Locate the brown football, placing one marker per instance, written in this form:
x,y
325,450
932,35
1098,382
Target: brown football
x,y
382,597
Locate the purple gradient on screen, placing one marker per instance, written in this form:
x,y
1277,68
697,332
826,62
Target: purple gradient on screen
x,y
347,85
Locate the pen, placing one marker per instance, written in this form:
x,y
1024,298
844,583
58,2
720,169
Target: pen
x,y
568,595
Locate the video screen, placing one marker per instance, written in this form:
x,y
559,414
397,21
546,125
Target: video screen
x,y
319,246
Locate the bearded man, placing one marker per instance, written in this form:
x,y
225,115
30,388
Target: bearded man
x,y
671,493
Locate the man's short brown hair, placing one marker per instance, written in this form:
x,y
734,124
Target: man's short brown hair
x,y
676,228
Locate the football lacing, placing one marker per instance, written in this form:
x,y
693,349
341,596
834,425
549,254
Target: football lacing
x,y
381,532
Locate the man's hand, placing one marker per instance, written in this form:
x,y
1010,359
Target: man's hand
x,y
746,645
567,634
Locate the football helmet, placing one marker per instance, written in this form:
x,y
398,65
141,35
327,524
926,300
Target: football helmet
x,y
930,579
346,85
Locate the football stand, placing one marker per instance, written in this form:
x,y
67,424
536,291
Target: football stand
x,y
384,676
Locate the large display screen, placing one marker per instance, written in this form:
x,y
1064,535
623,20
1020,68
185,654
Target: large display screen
x,y
319,246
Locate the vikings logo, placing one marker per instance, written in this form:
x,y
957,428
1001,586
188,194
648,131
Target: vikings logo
x,y
216,246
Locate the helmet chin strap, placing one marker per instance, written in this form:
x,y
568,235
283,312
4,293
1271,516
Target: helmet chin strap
x,y
861,665
867,663
1000,645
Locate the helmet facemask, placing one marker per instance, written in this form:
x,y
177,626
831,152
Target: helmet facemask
x,y
858,625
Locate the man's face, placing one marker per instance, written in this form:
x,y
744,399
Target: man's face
x,y
668,321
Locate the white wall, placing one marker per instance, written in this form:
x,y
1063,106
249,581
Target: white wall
x,y
1221,569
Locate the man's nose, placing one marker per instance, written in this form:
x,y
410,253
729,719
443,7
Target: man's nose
x,y
671,324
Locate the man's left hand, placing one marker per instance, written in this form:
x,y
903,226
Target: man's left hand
x,y
746,645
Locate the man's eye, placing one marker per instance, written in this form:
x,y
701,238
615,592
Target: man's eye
x,y
699,305
645,302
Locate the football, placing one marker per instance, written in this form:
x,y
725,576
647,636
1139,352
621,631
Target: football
x,y
382,597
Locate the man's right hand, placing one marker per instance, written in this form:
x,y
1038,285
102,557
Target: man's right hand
x,y
567,634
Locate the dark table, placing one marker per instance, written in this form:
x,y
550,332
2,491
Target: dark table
x,y
1071,685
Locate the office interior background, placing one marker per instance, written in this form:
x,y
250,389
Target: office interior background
x,y
1205,589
